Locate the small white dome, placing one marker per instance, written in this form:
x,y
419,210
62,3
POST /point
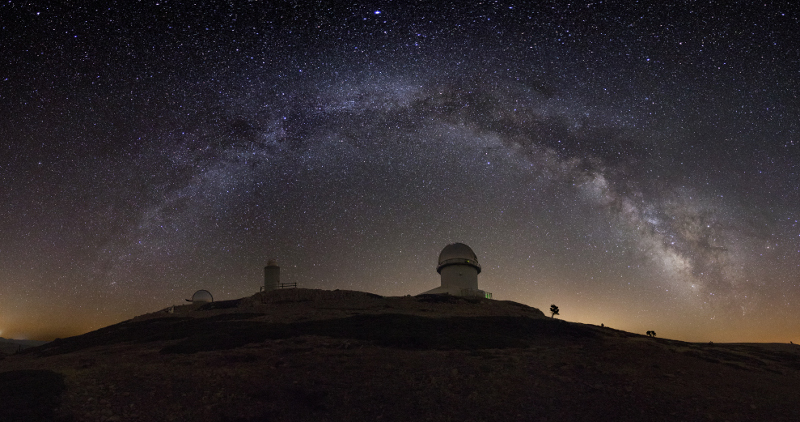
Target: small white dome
x,y
202,296
457,253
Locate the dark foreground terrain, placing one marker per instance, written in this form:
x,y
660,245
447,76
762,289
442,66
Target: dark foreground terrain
x,y
8,346
348,356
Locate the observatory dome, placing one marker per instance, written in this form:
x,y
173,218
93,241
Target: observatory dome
x,y
457,253
202,296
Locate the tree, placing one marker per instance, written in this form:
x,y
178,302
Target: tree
x,y
651,333
553,310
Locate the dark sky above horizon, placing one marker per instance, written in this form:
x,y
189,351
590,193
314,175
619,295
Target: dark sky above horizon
x,y
636,165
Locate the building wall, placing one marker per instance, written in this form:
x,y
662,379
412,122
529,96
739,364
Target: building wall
x,y
460,276
272,277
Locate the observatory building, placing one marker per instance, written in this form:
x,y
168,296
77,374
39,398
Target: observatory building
x,y
459,268
272,276
201,296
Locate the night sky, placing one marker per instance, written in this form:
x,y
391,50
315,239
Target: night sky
x,y
637,166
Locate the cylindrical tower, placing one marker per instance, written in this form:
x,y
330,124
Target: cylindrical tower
x,y
272,276
459,267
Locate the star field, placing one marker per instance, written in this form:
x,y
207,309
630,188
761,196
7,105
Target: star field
x,y
635,165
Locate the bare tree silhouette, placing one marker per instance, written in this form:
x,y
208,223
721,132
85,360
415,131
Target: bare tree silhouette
x,y
553,310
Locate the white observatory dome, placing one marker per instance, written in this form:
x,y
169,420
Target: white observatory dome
x,y
457,254
459,268
201,296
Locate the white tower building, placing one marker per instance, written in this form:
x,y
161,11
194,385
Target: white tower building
x,y
459,268
272,276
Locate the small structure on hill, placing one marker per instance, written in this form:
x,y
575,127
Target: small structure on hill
x,y
459,268
272,278
201,296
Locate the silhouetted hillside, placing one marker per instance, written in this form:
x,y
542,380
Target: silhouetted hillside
x,y
320,355
9,346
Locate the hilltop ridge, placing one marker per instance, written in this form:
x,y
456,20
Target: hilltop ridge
x,y
302,354
291,305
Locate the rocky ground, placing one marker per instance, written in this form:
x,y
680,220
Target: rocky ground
x,y
349,356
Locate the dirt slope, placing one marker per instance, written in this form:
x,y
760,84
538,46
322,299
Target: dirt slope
x,y
349,356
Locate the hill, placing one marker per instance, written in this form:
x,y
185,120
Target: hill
x,y
9,346
348,356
